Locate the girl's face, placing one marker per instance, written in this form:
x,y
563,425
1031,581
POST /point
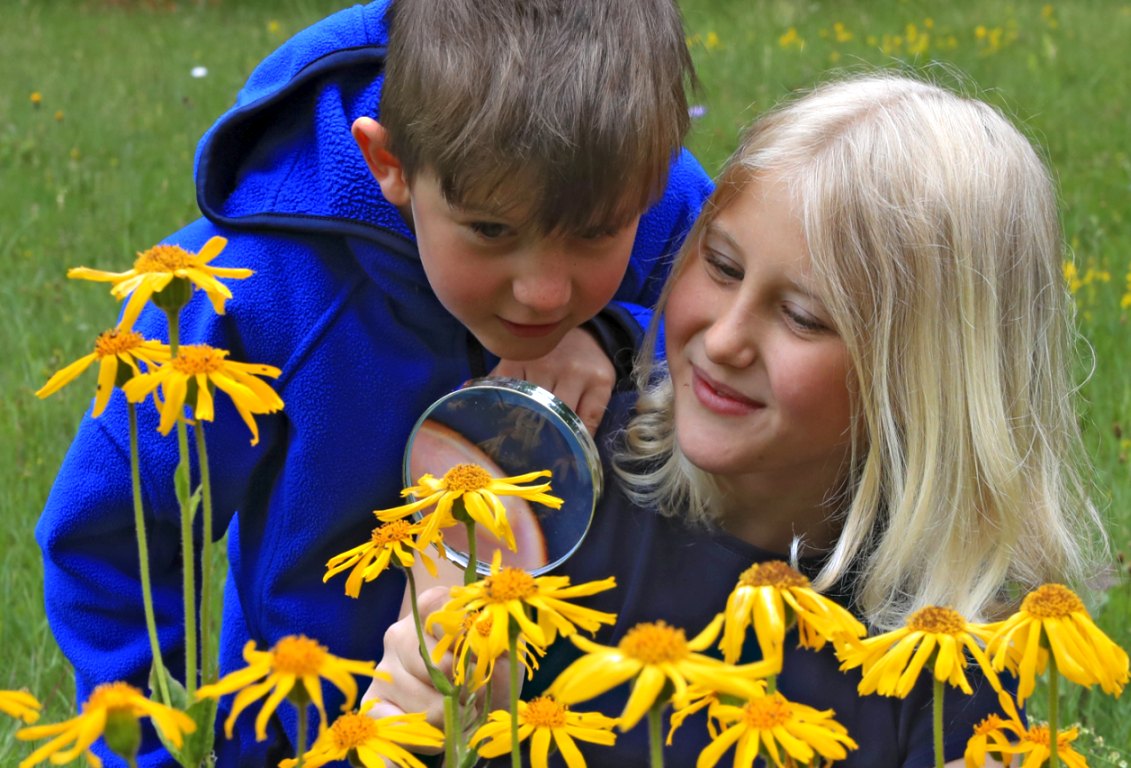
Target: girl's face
x,y
759,373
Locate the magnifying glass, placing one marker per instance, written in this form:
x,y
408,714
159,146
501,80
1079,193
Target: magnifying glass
x,y
512,427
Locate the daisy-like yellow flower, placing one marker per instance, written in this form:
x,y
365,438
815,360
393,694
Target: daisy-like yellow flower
x,y
480,494
112,710
112,349
892,661
396,541
773,726
205,366
155,268
508,594
20,704
371,741
771,596
293,658
544,721
995,736
1035,747
474,635
653,654
1053,617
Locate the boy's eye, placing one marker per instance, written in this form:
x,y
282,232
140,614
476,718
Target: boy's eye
x,y
600,234
490,230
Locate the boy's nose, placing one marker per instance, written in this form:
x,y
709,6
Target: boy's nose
x,y
545,289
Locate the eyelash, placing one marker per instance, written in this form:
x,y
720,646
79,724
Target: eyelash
x,y
722,270
489,230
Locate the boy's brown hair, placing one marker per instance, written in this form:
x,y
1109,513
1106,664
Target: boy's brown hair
x,y
569,111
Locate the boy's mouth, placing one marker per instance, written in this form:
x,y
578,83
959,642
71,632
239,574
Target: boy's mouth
x,y
530,331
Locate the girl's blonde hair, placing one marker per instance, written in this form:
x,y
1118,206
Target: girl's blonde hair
x,y
934,240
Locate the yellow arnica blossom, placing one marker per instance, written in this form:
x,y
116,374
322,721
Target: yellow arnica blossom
x,y
155,268
771,596
107,706
544,721
995,736
781,730
20,704
1035,747
110,348
273,673
474,635
892,661
205,366
397,541
508,594
370,741
654,654
480,494
1053,617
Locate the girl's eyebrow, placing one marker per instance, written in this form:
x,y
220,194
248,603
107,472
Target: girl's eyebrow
x,y
715,230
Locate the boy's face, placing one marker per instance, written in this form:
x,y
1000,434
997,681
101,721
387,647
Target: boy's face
x,y
517,289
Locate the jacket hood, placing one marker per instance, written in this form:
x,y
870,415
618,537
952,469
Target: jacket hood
x,y
282,158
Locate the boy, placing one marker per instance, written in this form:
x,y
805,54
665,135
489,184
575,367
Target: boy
x,y
517,145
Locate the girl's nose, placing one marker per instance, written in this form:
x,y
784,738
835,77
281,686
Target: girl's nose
x,y
731,339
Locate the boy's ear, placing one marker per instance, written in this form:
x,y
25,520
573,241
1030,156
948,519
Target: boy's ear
x,y
373,140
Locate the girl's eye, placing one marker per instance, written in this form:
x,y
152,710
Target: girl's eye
x,y
722,268
803,320
489,230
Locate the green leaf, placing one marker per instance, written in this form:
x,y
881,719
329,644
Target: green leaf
x,y
196,751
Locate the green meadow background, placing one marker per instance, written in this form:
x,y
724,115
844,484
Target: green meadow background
x,y
100,113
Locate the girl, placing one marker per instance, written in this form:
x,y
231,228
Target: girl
x,y
867,365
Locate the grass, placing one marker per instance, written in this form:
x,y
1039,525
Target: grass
x,y
101,167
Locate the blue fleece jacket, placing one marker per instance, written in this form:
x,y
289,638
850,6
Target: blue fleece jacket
x,y
340,303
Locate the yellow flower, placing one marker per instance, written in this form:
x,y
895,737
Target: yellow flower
x,y
480,494
20,704
371,741
892,661
1052,616
654,654
990,735
202,366
773,726
111,708
36,98
771,596
294,658
399,540
155,268
110,348
1035,747
544,720
475,635
512,594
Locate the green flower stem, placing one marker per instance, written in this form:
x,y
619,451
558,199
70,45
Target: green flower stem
x,y
188,581
300,748
471,572
143,560
1054,706
656,734
938,723
452,731
209,661
771,684
512,646
443,685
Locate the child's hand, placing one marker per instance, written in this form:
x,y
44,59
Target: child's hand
x,y
577,371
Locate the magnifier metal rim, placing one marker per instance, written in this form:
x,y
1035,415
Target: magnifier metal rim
x,y
569,420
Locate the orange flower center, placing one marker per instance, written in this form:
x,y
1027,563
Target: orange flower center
x,y
990,724
483,624
392,532
193,359
767,712
654,643
1052,601
774,573
544,712
113,697
937,621
298,655
510,584
351,730
115,342
163,258
466,477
